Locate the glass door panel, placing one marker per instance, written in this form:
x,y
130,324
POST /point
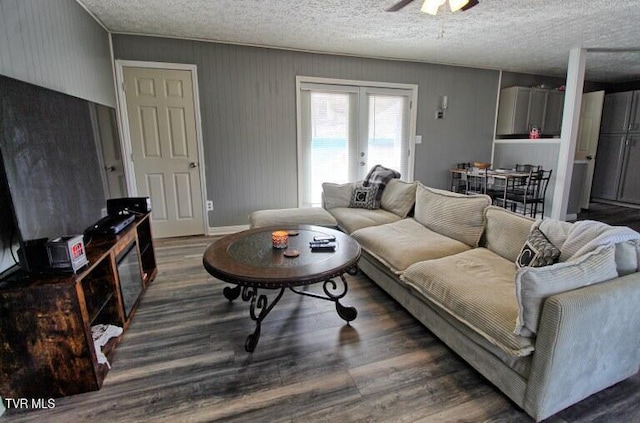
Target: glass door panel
x,y
387,140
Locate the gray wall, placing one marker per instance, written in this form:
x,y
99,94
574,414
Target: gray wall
x,y
247,99
56,44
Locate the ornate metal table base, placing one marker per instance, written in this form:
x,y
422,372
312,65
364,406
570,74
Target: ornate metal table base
x,y
260,306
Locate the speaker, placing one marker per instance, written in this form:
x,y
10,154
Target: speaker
x,y
130,204
33,255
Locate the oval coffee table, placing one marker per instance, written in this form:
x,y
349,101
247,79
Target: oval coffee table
x,y
248,260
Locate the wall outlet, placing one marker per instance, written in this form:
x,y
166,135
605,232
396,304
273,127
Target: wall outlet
x,y
209,205
440,114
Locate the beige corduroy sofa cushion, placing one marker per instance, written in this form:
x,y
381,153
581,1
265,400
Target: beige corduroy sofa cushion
x,y
475,287
457,216
506,232
336,195
398,197
301,216
400,244
352,219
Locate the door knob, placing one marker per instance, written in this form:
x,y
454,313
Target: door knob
x,y
110,169
362,163
193,165
589,157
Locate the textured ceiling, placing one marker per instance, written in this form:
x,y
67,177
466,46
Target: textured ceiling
x,y
532,36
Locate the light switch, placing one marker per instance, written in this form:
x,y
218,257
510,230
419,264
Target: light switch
x,y
418,139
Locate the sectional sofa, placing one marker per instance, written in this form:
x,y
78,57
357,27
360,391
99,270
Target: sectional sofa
x,y
546,336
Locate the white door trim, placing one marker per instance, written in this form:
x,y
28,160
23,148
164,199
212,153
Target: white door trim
x,y
125,139
413,115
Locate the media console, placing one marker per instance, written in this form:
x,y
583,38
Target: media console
x,y
46,343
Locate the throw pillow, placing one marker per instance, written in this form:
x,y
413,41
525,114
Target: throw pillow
x,y
379,176
364,197
535,284
537,251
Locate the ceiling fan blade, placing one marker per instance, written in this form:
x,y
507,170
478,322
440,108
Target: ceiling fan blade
x,y
399,5
470,5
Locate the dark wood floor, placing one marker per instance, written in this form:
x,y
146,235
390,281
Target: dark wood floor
x,y
613,215
183,360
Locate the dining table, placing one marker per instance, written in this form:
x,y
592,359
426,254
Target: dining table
x,y
482,181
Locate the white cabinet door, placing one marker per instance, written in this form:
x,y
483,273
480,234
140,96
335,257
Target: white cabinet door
x,y
553,113
513,111
537,106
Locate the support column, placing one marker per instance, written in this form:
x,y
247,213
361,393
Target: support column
x,y
569,137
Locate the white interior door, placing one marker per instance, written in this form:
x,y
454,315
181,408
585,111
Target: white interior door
x,y
587,143
162,126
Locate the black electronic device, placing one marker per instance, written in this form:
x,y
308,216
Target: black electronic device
x,y
51,182
322,246
128,204
33,255
111,224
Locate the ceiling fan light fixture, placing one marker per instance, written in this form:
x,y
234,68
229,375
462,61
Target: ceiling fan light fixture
x,y
431,6
456,5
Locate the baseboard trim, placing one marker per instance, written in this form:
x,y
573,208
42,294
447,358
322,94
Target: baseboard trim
x,y
226,230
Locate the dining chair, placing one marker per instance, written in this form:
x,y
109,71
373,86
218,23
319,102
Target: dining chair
x,y
541,193
530,197
458,183
526,168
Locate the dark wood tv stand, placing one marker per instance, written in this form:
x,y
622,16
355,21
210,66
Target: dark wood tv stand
x,y
46,346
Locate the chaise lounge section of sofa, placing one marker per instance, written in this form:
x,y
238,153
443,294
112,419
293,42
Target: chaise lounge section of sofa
x,y
547,337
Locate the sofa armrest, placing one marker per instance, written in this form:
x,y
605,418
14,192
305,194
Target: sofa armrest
x,y
588,340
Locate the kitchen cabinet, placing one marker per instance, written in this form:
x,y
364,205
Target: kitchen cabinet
x,y
522,108
615,112
618,158
629,180
553,113
513,111
634,114
606,176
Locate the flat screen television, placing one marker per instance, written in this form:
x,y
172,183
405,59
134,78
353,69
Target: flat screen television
x,y
50,163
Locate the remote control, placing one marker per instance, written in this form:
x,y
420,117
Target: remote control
x,y
315,246
320,241
324,238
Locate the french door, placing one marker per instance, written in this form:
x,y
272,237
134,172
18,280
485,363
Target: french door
x,y
345,129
